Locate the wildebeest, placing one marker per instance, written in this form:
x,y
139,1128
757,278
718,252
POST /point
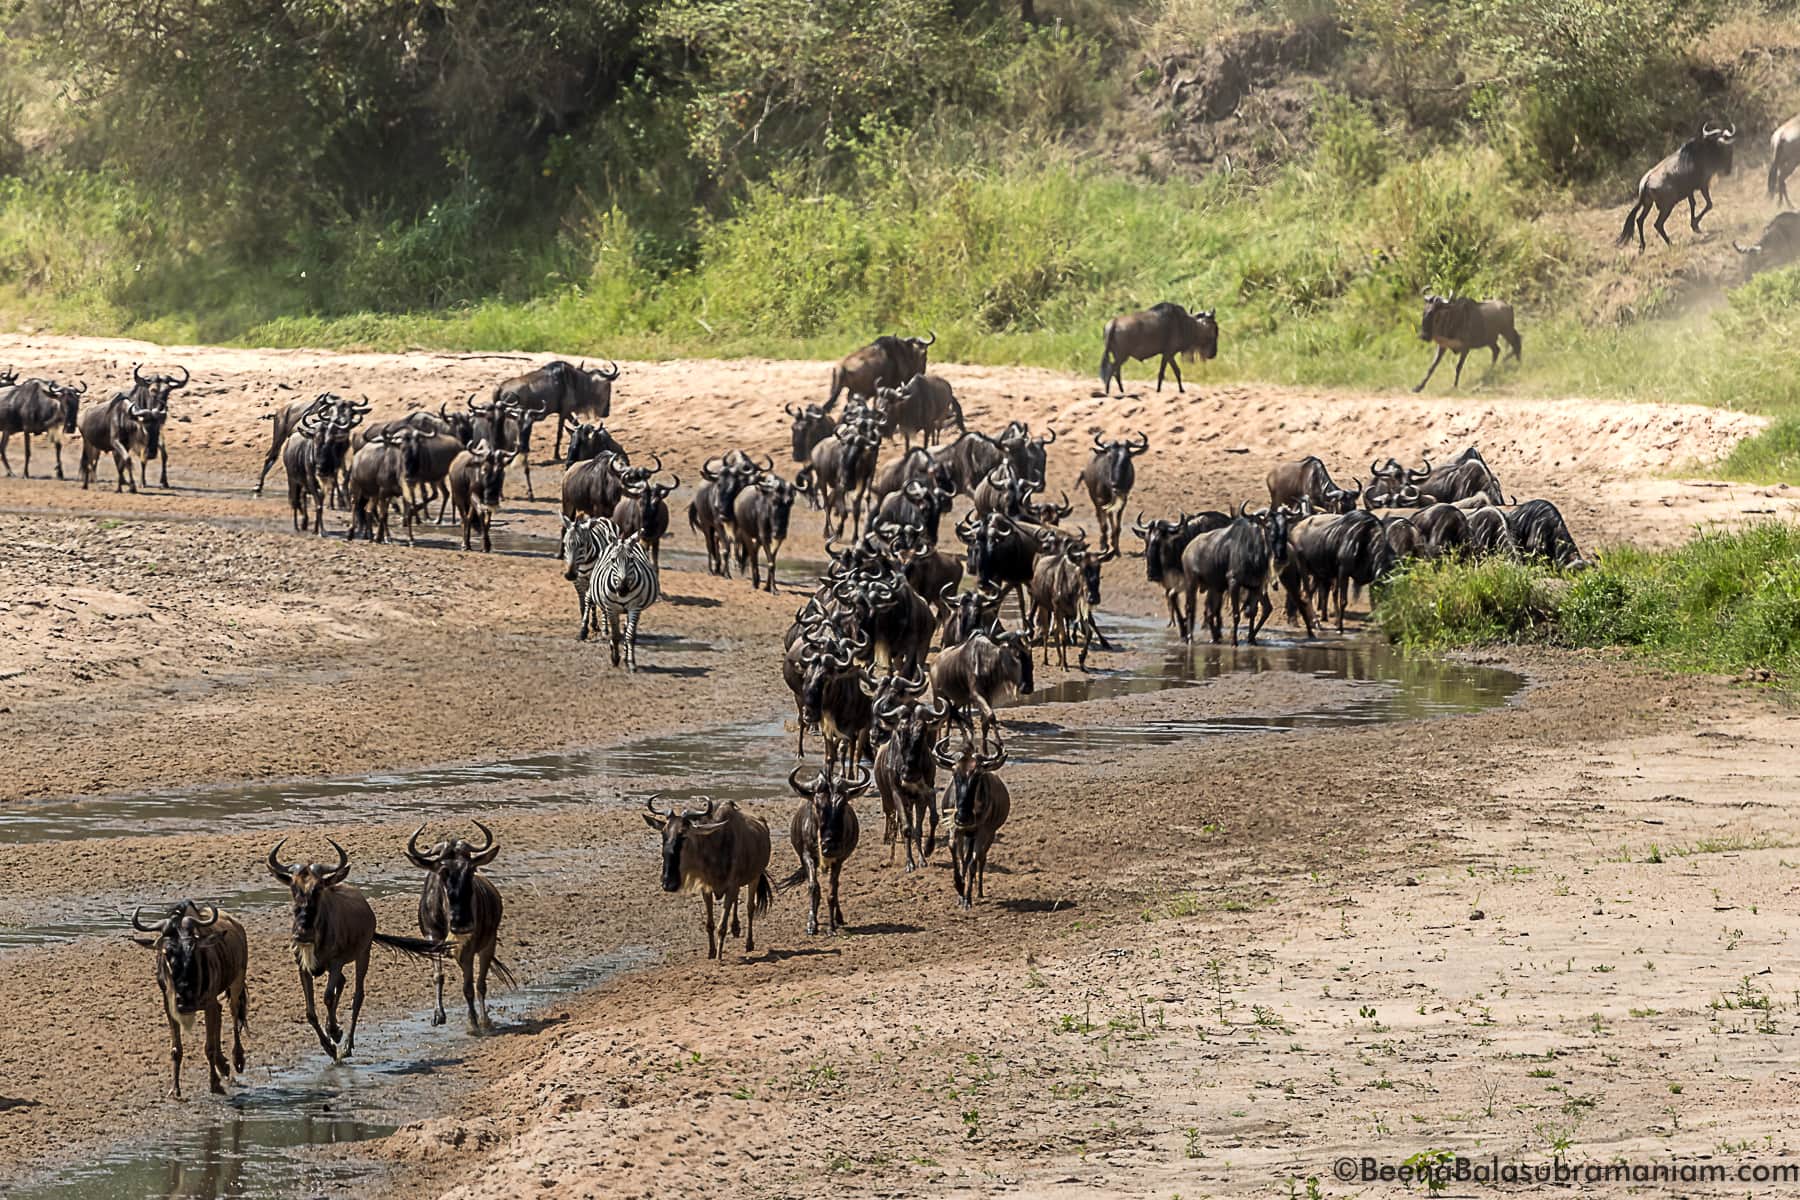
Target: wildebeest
x,y
1002,553
760,515
813,423
1540,532
837,699
1027,454
1109,477
1690,169
1778,246
977,608
461,908
592,488
590,441
1291,482
1443,530
984,669
312,456
1458,323
824,833
38,407
1486,533
1164,330
560,389
888,361
1233,562
919,503
917,465
980,802
712,513
717,852
286,420
1329,555
128,425
377,482
923,405
969,459
1163,543
333,929
202,957
476,479
1784,156
1463,478
1065,588
906,774
843,467
644,510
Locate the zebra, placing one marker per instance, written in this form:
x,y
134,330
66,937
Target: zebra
x,y
581,550
621,582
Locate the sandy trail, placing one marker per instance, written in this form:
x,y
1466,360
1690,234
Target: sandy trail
x,y
1179,938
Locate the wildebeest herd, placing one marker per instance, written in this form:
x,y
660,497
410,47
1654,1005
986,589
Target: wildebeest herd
x,y
898,660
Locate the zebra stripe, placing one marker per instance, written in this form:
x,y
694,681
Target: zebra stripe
x,y
621,585
581,550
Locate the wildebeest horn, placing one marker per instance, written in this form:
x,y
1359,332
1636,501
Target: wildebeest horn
x,y
1099,446
338,873
608,375
283,873
930,337
650,803
137,372
185,376
1243,509
1141,441
789,410
212,915
1049,438
794,781
994,762
944,758
858,783
1421,475
485,854
1374,468
416,856
707,470
140,926
768,463
1138,527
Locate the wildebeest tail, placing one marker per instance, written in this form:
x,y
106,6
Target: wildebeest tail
x,y
693,521
957,413
411,946
762,895
1514,340
793,880
1624,237
1775,175
505,973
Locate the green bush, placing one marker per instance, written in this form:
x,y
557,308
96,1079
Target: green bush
x,y
1722,602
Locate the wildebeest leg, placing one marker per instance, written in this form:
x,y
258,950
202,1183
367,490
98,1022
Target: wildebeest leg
x,y
312,1014
1237,595
981,872
1662,215
485,963
931,837
56,440
837,910
1431,370
240,1019
727,911
956,868
217,1069
466,961
334,990
774,550
1343,598
1161,370
526,460
1019,595
122,473
27,437
712,945
1461,358
812,895
162,454
174,1047
1215,614
356,1000
1175,365
1694,218
437,971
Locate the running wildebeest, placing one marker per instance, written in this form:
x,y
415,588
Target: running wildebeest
x,y
200,959
888,361
824,833
312,456
559,389
460,907
717,852
984,669
1458,323
761,514
1690,169
333,929
38,407
980,802
643,509
1109,477
906,774
1164,330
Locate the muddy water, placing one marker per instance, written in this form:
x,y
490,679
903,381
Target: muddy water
x,y
250,1144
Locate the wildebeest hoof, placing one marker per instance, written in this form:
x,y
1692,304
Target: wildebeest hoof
x,y
218,1089
438,1018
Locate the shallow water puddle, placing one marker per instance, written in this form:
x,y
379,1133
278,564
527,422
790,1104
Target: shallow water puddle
x,y
250,1143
